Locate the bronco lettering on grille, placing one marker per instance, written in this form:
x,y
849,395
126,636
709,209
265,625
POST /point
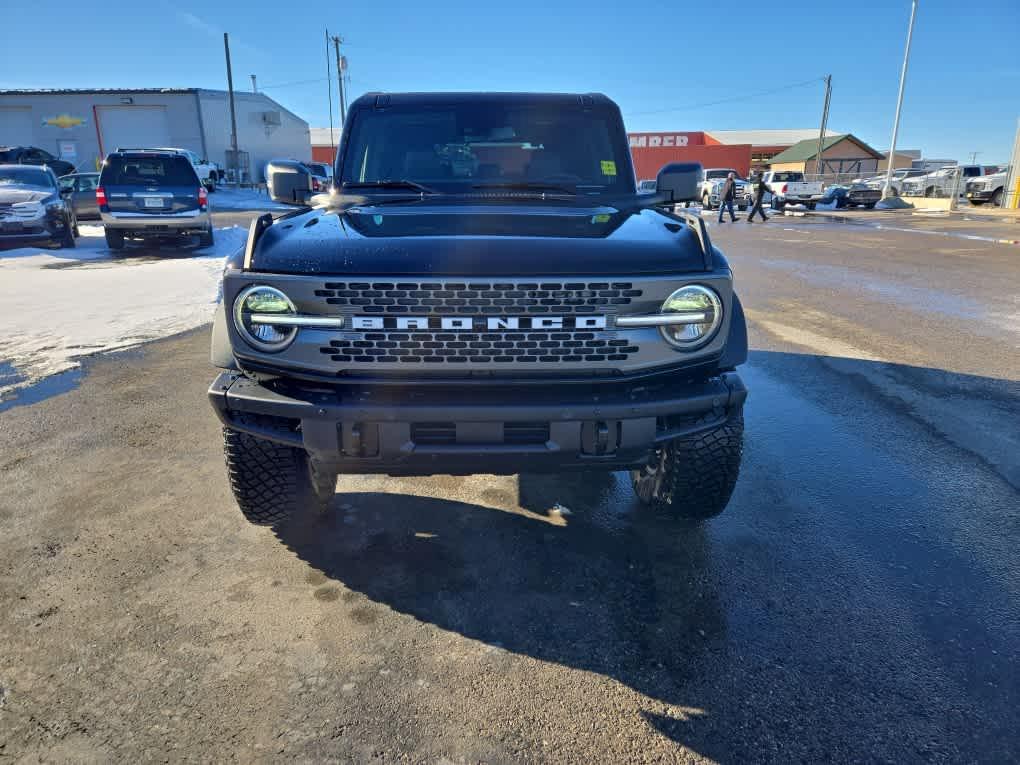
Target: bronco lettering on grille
x,y
474,323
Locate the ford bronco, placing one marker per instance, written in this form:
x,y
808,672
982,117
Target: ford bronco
x,y
483,290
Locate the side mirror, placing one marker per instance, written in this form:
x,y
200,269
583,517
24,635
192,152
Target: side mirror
x,y
678,181
66,191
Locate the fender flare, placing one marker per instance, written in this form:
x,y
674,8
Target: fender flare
x,y
735,352
221,354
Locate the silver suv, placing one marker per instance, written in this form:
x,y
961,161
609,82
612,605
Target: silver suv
x,y
152,195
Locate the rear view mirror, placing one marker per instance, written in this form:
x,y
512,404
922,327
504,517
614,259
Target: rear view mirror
x,y
678,181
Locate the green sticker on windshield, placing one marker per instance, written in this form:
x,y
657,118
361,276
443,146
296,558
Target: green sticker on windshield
x,y
608,167
600,218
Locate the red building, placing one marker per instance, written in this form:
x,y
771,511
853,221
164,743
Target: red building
x,y
650,151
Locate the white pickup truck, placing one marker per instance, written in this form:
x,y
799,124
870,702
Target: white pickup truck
x,y
207,171
788,187
711,188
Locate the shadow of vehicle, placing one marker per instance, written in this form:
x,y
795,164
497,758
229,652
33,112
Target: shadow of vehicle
x,y
631,597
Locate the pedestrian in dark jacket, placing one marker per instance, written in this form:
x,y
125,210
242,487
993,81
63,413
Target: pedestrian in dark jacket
x,y
726,197
759,197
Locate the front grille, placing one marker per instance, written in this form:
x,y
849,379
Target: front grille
x,y
434,433
480,348
445,433
478,298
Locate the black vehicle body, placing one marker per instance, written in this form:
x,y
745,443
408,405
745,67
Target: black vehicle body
x,y
477,330
31,155
32,208
152,194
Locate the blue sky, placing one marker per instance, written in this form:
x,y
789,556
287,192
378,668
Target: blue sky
x,y
963,90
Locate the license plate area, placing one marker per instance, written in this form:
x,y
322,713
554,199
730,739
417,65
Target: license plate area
x,y
157,202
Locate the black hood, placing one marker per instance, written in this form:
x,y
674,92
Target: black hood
x,y
10,195
479,239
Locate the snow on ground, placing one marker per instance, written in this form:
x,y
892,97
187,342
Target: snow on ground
x,y
243,199
57,305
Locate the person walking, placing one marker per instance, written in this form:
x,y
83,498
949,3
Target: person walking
x,y
726,197
759,197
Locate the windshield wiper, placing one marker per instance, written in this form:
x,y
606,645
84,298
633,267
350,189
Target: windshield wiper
x,y
388,184
527,187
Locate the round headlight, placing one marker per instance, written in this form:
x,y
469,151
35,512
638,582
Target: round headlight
x,y
253,311
693,300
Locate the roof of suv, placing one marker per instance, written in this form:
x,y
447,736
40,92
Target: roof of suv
x,y
480,97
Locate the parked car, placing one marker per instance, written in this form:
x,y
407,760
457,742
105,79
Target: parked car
x,y
711,187
207,171
789,187
32,208
152,195
646,187
861,195
895,183
80,190
322,175
989,188
945,182
504,305
30,155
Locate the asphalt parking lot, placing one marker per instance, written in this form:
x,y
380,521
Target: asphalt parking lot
x,y
858,601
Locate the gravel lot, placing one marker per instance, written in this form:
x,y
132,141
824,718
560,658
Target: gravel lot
x,y
858,601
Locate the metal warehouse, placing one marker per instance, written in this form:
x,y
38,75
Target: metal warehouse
x,y
82,126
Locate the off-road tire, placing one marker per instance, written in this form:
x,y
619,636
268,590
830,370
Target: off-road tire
x,y
692,478
114,239
205,239
271,482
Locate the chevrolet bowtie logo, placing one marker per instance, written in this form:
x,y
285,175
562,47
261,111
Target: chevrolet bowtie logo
x,y
478,323
63,121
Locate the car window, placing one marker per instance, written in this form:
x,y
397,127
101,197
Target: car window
x,y
460,146
87,182
148,171
26,175
788,177
67,182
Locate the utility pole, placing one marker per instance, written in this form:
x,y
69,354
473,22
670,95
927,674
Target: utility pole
x,y
973,157
819,166
899,101
340,79
233,114
254,84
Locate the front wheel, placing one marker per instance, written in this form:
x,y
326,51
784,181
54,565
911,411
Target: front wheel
x,y
70,230
706,203
997,198
693,477
270,481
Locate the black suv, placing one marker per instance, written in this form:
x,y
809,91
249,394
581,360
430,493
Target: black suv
x,y
152,195
33,209
30,155
483,292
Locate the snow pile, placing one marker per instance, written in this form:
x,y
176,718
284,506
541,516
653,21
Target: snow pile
x,y
893,203
243,199
58,305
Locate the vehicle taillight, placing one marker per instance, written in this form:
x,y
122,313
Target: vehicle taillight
x,y
203,197
315,184
100,196
785,187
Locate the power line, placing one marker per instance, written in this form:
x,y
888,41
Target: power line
x,y
744,97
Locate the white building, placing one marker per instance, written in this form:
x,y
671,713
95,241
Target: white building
x,y
83,126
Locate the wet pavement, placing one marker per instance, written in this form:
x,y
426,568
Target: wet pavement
x,y
858,600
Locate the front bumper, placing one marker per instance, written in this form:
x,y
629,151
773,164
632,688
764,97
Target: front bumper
x,y
981,195
38,229
463,430
139,224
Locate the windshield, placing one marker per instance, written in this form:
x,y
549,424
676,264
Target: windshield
x,y
27,176
461,147
788,177
149,171
717,174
